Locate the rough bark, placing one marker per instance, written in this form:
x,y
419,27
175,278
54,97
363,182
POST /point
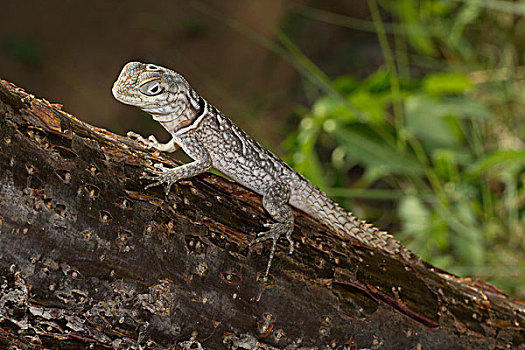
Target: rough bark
x,y
89,259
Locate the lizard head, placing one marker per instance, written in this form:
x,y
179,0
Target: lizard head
x,y
154,89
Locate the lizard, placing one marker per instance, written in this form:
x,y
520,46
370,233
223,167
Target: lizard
x,y
212,140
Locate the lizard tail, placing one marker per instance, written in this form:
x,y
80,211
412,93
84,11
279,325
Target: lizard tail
x,y
332,215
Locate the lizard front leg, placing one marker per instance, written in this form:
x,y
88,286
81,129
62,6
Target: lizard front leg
x,y
275,202
194,149
152,142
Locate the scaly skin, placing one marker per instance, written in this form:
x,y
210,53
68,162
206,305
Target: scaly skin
x,y
213,140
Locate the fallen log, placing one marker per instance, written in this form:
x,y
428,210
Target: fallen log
x,y
89,259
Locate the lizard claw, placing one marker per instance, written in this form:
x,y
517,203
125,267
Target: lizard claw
x,y
162,175
137,137
277,229
158,183
133,134
150,142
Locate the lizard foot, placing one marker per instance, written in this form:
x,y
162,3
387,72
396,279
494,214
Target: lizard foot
x,y
162,175
276,230
150,142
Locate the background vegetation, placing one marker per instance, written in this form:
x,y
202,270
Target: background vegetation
x,y
436,132
407,112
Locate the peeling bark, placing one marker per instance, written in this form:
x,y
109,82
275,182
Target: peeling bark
x,y
89,259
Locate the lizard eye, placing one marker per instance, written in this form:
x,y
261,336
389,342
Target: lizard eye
x,y
152,67
151,88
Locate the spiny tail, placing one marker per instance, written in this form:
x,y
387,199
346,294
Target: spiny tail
x,y
318,205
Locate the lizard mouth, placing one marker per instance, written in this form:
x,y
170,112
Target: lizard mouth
x,y
117,89
122,92
126,80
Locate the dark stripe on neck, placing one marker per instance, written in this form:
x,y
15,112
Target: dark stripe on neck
x,y
190,124
202,107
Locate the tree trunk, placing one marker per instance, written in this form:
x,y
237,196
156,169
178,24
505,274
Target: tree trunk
x,y
91,260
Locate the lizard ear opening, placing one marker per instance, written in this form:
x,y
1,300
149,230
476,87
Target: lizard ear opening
x,y
151,88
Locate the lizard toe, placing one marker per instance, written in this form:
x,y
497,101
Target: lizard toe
x,y
153,184
149,177
133,134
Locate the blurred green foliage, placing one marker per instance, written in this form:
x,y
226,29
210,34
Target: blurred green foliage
x,y
24,50
438,131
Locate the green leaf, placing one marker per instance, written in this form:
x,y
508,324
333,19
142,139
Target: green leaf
x,y
445,163
374,106
447,83
418,34
308,164
435,120
331,107
378,82
346,84
416,225
468,13
495,159
414,216
468,240
372,151
305,159
425,118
